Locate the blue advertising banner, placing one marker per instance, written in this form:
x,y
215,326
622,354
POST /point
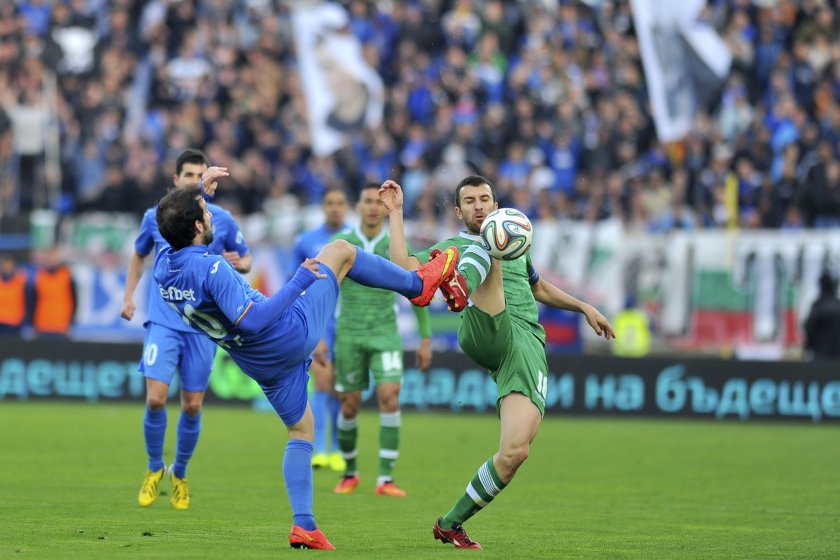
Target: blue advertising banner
x,y
581,385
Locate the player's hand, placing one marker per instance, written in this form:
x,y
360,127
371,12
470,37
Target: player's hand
x,y
312,265
598,322
390,193
209,177
128,310
423,357
232,257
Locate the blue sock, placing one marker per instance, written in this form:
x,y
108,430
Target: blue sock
x,y
335,407
320,410
189,428
376,272
154,430
297,473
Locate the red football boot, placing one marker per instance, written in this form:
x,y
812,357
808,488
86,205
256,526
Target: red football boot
x,y
434,273
455,291
347,484
301,538
390,489
456,535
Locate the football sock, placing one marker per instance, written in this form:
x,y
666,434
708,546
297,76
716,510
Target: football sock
x,y
189,428
297,473
481,490
474,265
348,431
389,444
335,407
154,430
320,410
376,272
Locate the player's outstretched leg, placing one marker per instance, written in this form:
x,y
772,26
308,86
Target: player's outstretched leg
x,y
371,270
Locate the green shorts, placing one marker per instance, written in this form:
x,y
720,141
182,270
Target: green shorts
x,y
513,354
355,355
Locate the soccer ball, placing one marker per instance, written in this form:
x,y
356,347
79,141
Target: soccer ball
x,y
506,233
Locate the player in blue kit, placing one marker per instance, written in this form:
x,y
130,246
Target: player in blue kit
x,y
324,402
170,345
271,339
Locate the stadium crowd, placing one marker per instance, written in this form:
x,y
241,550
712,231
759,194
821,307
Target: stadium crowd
x,y
547,97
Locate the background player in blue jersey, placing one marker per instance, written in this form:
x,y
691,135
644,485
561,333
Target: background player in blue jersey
x,y
271,340
324,401
170,345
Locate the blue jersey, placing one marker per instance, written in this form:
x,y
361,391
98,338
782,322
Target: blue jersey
x,y
226,237
212,298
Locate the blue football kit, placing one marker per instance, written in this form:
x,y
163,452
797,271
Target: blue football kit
x,y
269,339
307,246
170,345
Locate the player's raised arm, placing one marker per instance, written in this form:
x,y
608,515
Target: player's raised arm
x,y
391,195
209,177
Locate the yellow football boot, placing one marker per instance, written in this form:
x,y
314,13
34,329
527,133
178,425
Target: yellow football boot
x,y
337,462
180,492
320,460
149,490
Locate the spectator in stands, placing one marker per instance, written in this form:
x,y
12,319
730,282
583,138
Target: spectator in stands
x,y
13,297
54,301
822,326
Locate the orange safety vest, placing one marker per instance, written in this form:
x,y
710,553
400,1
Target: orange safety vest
x,y
53,300
13,299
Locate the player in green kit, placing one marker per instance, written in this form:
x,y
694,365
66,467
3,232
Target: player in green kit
x,y
500,331
367,340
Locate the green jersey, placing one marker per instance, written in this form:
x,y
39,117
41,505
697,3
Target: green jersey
x,y
519,300
371,311
363,309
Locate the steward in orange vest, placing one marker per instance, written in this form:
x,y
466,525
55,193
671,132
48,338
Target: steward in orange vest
x,y
12,296
55,298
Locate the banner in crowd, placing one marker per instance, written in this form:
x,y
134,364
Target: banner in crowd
x,y
745,292
684,60
573,385
344,94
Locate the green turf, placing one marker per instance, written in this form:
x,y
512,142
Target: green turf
x,y
591,489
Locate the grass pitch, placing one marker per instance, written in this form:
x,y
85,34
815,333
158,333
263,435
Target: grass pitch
x,y
592,488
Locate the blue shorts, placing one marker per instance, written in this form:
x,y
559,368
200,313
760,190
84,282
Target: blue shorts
x,y
285,384
166,351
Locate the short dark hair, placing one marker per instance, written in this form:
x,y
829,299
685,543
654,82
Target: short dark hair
x,y
177,213
190,155
473,181
337,189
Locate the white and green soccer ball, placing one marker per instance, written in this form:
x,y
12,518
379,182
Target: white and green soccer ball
x,y
506,233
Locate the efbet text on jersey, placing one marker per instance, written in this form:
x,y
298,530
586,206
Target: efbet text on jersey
x,y
174,294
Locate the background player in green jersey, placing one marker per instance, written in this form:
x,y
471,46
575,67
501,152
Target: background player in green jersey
x,y
500,331
367,340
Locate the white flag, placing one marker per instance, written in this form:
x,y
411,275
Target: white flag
x,y
343,92
684,59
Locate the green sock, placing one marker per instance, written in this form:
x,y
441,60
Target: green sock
x,y
474,264
481,490
348,431
389,444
